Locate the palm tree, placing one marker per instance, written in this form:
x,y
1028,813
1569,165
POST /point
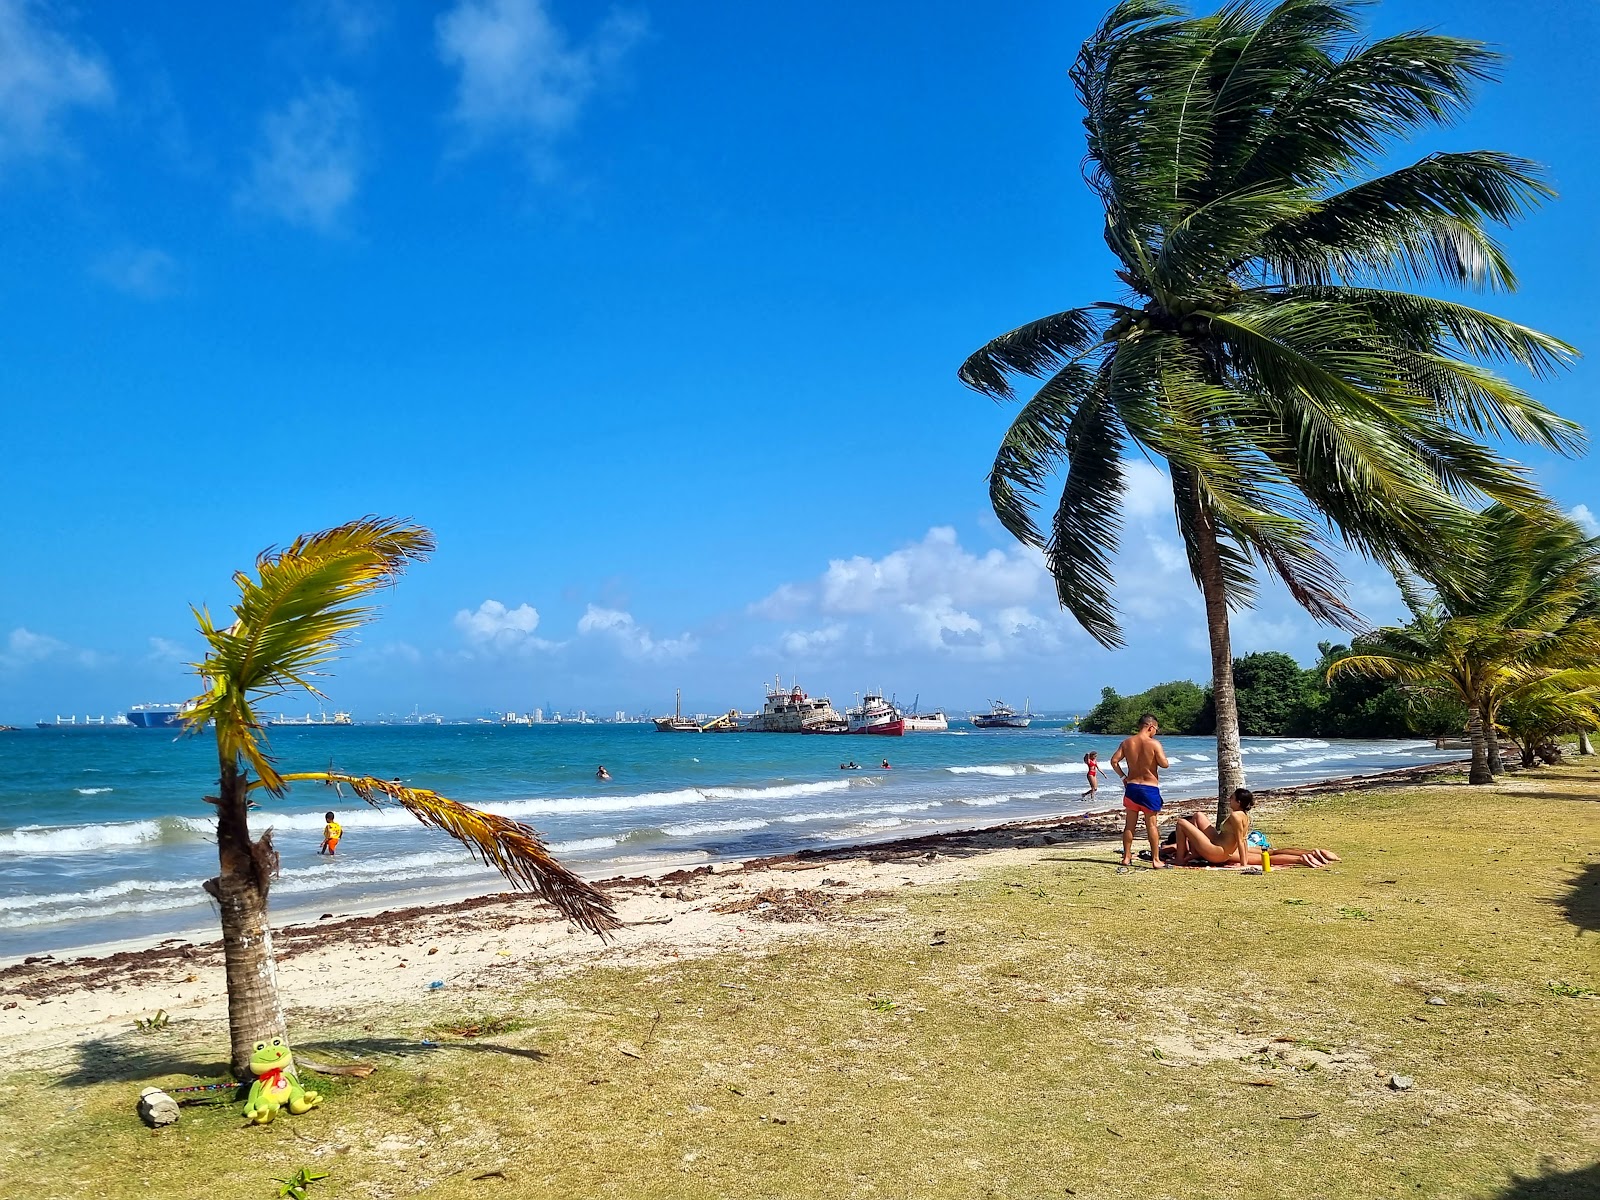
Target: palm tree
x,y
287,625
1266,348
1520,627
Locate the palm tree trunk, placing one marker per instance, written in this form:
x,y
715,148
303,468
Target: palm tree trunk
x,y
1480,772
1491,736
1213,587
255,1013
1583,742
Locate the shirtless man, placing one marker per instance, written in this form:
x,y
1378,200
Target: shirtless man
x,y
1232,843
1136,762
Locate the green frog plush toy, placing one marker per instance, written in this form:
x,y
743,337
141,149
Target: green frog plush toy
x,y
276,1086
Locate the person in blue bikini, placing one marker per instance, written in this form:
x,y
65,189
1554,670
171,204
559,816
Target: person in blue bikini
x,y
1137,763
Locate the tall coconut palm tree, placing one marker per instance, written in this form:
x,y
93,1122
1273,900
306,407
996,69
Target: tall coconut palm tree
x,y
288,624
1266,348
1521,625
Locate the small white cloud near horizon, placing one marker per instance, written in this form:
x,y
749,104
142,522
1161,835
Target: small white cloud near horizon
x,y
308,160
493,626
520,74
24,648
1584,519
146,272
165,650
44,75
630,637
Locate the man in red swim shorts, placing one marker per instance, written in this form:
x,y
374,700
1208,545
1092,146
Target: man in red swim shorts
x,y
1136,763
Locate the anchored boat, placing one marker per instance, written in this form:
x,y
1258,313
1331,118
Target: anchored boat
x,y
1002,716
876,715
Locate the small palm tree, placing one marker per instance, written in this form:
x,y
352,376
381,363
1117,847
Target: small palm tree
x,y
287,624
1521,627
1266,348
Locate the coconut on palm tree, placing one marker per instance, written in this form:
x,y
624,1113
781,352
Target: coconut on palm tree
x,y
288,624
1266,346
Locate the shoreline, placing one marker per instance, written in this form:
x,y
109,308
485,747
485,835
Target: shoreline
x,y
482,942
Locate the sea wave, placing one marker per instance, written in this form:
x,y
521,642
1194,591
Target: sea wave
x,y
784,791
93,791
999,770
117,835
697,828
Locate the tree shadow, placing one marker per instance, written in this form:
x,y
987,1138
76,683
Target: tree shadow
x,y
1582,1184
129,1058
1581,901
396,1047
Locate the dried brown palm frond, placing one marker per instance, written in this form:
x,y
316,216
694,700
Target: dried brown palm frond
x,y
510,847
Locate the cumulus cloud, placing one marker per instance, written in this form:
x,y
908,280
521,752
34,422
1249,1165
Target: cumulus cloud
x,y
493,626
1584,519
142,271
164,650
621,630
520,74
939,564
804,643
307,163
44,76
351,24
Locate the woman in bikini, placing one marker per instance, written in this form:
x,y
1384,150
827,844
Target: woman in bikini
x,y
1202,825
1232,843
1091,762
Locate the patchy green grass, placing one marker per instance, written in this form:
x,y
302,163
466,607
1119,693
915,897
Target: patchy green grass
x,y
1153,1034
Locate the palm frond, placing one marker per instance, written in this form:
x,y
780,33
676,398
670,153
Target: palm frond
x,y
1034,447
289,622
510,847
1038,348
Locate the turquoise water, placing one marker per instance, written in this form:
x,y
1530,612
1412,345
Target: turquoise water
x,y
104,834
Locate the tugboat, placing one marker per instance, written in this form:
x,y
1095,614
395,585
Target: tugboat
x,y
792,711
877,716
1002,716
677,722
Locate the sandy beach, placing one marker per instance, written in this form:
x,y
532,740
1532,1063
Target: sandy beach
x,y
351,961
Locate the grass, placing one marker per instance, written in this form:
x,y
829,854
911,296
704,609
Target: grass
x,y
1077,1033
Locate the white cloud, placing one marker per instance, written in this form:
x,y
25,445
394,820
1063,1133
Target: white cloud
x,y
521,74
493,626
145,272
164,650
24,648
630,637
352,24
44,75
307,164
806,643
1584,519
1149,489
937,564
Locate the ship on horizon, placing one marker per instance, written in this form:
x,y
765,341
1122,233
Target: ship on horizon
x,y
157,716
1002,716
790,710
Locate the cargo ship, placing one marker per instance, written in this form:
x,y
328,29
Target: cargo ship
x,y
677,722
157,716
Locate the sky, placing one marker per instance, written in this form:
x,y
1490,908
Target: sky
x,y
651,313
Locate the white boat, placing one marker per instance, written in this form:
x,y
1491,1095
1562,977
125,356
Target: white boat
x,y
918,721
677,722
790,710
322,718
875,715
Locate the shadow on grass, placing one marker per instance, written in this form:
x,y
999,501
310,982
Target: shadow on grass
x,y
123,1059
1581,901
1582,1184
410,1048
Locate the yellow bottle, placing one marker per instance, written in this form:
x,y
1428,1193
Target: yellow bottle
x,y
1266,860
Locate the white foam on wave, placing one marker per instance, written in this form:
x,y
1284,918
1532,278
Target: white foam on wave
x,y
847,814
583,845
999,770
697,828
1198,757
1066,768
116,835
784,791
93,791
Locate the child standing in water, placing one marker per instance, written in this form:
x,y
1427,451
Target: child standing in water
x,y
331,833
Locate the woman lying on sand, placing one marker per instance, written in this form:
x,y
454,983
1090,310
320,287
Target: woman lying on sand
x,y
1197,842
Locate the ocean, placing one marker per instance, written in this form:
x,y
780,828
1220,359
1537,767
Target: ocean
x,y
105,836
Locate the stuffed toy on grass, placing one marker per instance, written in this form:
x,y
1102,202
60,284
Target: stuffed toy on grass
x,y
276,1086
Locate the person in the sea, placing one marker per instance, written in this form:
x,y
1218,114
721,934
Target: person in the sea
x,y
331,833
1195,844
603,775
886,765
1091,763
1137,762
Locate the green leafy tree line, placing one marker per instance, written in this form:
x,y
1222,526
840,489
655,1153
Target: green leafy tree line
x,y
1276,697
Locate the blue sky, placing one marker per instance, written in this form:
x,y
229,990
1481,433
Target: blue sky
x,y
652,313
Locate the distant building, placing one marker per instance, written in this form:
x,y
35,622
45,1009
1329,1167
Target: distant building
x,y
538,716
621,717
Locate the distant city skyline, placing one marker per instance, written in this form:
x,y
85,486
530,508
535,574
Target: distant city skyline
x,y
652,313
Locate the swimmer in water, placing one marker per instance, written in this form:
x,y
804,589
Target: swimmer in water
x,y
603,775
